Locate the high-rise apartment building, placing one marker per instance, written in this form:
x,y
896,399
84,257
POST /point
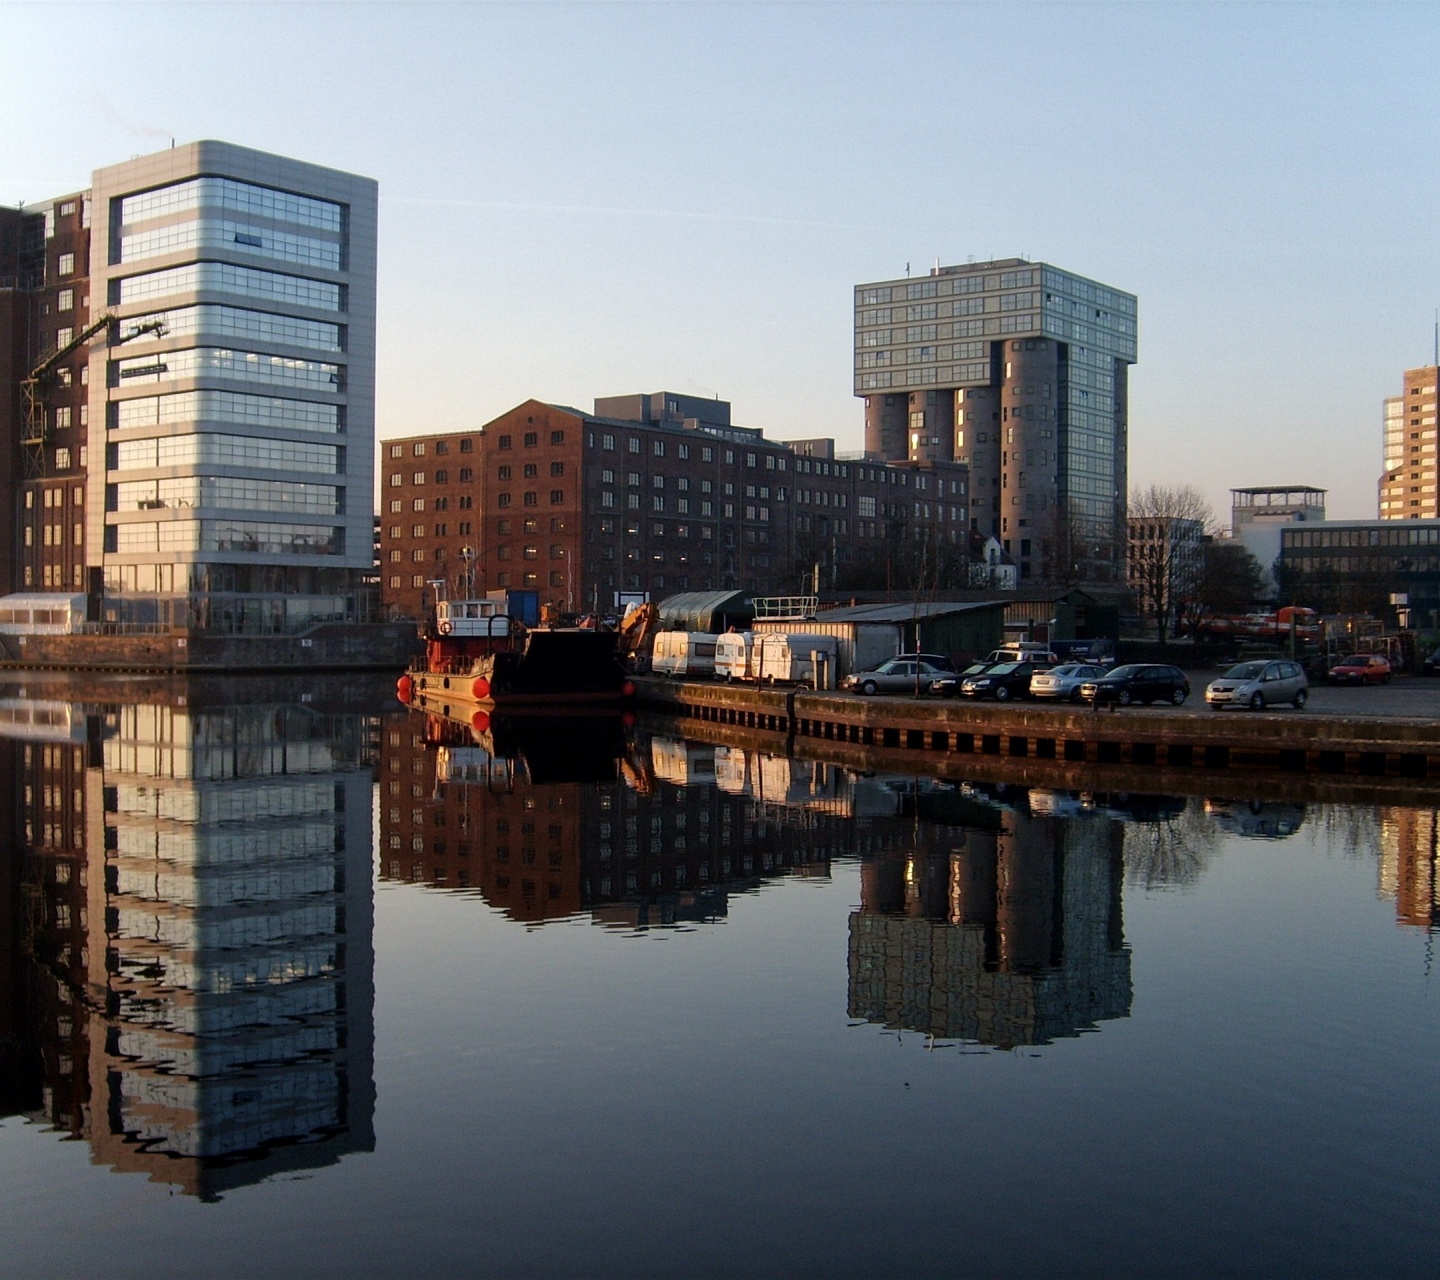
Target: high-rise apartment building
x,y
203,456
1017,369
1408,489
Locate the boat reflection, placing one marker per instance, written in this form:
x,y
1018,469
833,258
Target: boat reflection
x,y
189,918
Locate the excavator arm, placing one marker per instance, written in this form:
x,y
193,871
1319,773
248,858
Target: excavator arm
x,y
32,384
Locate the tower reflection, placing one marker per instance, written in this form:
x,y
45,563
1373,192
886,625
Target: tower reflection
x,y
191,953
1005,932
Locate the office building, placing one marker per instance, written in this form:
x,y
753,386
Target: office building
x,y
1381,567
1408,489
650,495
1257,515
1017,369
203,455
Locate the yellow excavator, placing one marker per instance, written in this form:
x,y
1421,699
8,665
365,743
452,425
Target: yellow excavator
x,y
637,637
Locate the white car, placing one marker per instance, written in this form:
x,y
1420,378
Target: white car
x,y
1259,684
1063,683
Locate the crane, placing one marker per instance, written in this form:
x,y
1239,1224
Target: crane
x,y
32,386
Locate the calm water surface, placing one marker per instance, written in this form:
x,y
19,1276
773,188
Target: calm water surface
x,y
294,983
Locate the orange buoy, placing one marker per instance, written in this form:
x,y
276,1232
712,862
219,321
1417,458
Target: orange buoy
x,y
480,687
480,721
627,719
627,689
404,689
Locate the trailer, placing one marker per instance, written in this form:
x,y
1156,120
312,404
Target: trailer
x,y
735,656
683,653
797,658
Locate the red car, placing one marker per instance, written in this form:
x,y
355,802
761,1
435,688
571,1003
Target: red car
x,y
1361,668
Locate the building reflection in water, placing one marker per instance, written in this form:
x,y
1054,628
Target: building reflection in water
x,y
547,818
1409,851
1004,931
190,950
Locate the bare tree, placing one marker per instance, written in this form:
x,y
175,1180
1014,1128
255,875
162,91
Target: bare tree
x,y
1166,527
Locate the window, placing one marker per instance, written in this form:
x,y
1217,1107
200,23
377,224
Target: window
x,y
467,474
503,500
442,476
396,451
557,497
467,446
707,454
396,506
634,444
418,450
607,441
557,468
532,499
531,552
557,437
531,471
65,300
65,264
442,446
502,527
504,442
503,473
418,478
532,438
557,551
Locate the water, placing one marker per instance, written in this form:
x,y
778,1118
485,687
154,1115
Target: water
x,y
293,982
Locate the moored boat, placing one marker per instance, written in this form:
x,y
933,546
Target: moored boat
x,y
476,654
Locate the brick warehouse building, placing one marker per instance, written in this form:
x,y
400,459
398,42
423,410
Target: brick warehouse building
x,y
650,493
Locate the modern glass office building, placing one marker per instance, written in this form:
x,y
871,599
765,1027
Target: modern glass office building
x,y
1017,369
232,485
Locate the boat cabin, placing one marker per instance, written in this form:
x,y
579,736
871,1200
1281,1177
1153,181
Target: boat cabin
x,y
465,619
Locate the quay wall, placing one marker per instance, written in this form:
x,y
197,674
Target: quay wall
x,y
1408,747
333,646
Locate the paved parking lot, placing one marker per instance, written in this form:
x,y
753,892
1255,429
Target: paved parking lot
x,y
1403,696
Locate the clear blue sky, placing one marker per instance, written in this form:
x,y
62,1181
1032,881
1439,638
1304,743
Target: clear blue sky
x,y
583,200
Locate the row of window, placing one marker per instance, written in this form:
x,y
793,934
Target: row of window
x,y
239,322
179,492
227,277
1388,536
200,236
249,536
228,193
442,447
531,498
222,362
224,450
273,412
942,287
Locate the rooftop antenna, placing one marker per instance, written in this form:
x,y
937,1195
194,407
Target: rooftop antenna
x,y
907,270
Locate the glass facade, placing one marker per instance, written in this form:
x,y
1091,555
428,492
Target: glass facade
x,y
226,277
228,364
226,406
238,322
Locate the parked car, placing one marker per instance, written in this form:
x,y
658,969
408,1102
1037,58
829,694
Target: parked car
x,y
1361,668
1063,683
1138,682
948,686
1001,681
1259,684
1431,665
899,675
1023,651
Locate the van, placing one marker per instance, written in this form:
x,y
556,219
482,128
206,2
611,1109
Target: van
x,y
734,656
683,653
792,659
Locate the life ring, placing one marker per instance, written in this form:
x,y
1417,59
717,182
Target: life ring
x,y
445,628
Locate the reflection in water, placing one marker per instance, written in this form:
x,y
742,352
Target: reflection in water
x,y
190,946
1409,850
1004,932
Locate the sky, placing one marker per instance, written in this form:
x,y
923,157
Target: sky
x,y
580,200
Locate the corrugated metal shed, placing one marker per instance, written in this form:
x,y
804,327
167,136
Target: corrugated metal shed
x,y
712,611
870,633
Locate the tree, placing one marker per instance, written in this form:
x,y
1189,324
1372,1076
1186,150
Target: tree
x,y
1166,528
1230,581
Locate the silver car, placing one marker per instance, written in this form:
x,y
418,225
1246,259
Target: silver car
x,y
1063,683
899,675
1259,684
